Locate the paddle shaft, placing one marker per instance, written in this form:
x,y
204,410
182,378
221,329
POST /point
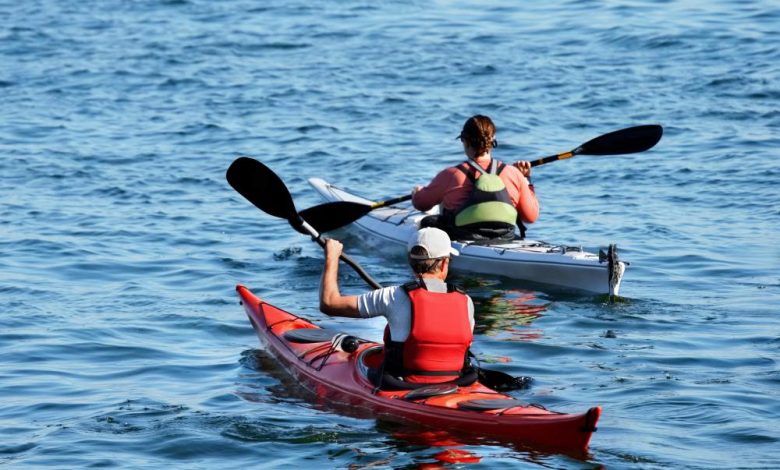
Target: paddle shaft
x,y
624,141
542,161
256,182
553,158
494,379
263,188
244,175
346,259
621,142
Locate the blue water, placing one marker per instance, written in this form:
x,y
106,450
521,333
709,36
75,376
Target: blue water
x,y
121,340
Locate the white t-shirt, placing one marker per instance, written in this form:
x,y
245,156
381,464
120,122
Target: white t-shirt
x,y
394,304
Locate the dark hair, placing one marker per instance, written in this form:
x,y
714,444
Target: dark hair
x,y
423,266
480,133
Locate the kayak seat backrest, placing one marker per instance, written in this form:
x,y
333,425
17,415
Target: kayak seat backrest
x,y
389,382
372,358
370,363
431,391
489,404
309,335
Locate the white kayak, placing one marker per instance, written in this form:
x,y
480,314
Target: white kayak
x,y
528,260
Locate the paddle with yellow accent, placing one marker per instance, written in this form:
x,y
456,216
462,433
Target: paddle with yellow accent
x,y
630,140
332,215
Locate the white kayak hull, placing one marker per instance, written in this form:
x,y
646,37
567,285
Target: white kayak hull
x,y
528,260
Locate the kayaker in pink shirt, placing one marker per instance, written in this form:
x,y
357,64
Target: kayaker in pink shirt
x,y
471,205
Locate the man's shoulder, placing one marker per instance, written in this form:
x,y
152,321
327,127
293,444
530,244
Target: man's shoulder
x,y
382,301
387,295
382,291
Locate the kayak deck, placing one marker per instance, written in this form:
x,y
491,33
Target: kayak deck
x,y
530,260
341,378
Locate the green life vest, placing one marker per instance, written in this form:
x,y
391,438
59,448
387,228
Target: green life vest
x,y
489,204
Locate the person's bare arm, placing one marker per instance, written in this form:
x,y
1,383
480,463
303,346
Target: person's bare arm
x,y
331,301
425,197
527,204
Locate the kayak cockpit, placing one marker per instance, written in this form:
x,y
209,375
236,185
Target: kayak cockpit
x,y
369,368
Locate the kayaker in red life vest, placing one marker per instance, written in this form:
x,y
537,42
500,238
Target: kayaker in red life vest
x,y
429,323
473,208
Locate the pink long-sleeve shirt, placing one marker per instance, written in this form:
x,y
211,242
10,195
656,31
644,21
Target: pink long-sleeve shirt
x,y
451,188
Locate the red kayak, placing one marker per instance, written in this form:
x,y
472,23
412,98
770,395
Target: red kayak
x,y
322,365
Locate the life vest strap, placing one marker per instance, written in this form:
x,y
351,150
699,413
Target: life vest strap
x,y
420,284
407,372
470,168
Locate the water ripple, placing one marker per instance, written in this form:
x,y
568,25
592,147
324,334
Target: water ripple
x,y
121,241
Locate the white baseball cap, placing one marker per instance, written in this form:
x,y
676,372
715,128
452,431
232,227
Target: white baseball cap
x,y
434,241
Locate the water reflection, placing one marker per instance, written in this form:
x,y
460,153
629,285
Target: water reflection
x,y
506,313
429,448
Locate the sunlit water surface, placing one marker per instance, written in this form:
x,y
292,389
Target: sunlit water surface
x,y
121,338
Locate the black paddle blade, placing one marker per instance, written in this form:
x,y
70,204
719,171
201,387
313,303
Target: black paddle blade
x,y
333,215
501,382
630,140
260,186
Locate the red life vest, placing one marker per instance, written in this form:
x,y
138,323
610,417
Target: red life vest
x,y
440,335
